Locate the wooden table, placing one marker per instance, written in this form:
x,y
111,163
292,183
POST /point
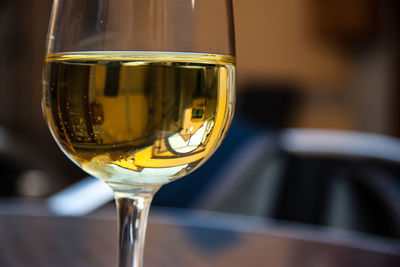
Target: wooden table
x,y
189,238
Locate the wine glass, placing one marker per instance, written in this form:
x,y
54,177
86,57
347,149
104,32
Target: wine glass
x,y
139,93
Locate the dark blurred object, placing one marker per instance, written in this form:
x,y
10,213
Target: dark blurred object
x,y
332,178
23,26
345,193
395,11
348,23
30,162
268,104
29,170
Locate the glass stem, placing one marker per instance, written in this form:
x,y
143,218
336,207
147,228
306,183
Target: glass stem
x,y
133,208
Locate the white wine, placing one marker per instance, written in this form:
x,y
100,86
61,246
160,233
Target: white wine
x,y
138,117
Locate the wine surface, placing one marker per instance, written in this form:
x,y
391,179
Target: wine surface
x,y
138,117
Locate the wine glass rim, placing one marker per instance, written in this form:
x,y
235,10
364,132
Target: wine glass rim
x,y
142,54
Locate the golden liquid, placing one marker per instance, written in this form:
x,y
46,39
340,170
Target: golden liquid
x,y
138,117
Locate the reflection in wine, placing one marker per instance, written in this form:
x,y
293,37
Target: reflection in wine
x,y
138,117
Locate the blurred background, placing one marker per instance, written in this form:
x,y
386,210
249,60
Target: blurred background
x,y
302,64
